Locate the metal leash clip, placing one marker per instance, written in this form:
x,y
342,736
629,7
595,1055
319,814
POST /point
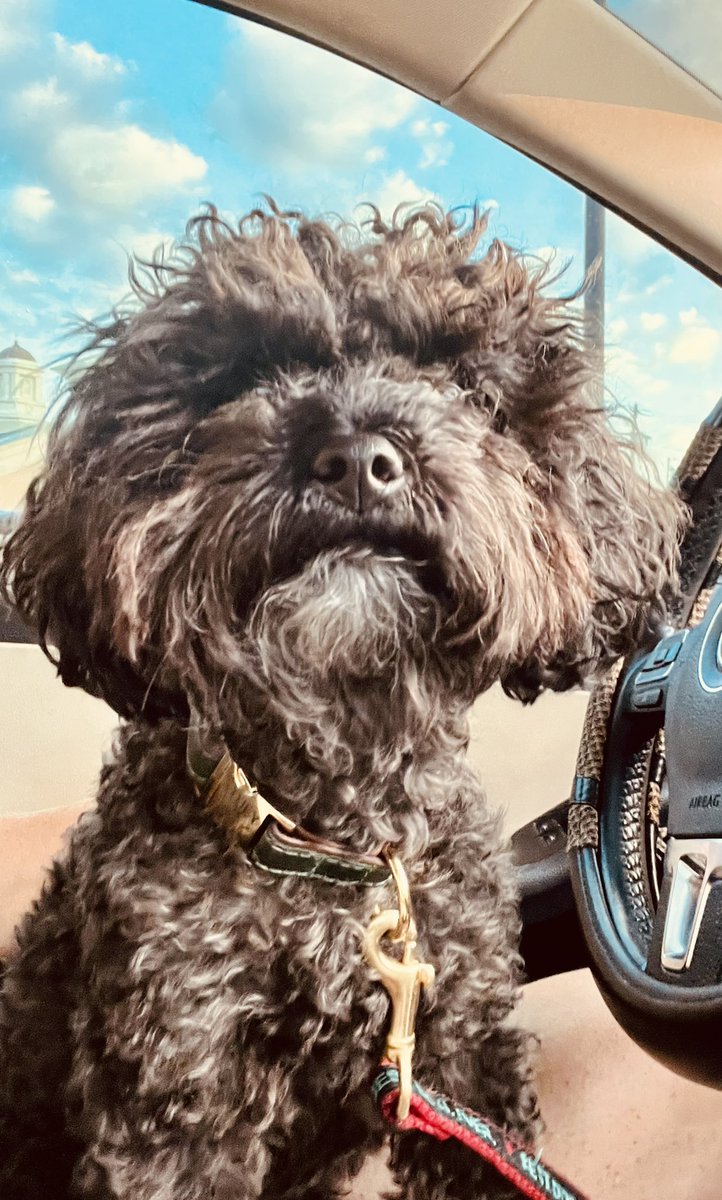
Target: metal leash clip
x,y
403,979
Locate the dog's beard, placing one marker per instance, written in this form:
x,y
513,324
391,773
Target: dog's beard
x,y
348,614
336,659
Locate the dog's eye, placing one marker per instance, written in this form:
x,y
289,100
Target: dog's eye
x,y
477,400
489,404
485,400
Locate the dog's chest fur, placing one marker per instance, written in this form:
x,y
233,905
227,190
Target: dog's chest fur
x,y
218,989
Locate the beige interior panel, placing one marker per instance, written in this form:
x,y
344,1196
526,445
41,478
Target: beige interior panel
x,y
610,113
432,47
578,50
562,80
52,737
663,168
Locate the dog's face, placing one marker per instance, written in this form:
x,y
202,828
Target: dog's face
x,y
307,454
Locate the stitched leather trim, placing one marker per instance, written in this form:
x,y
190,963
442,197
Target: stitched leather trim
x,y
583,827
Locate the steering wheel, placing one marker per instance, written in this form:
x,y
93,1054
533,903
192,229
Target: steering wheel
x,y
644,823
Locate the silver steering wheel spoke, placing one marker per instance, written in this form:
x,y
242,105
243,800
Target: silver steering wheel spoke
x,y
691,866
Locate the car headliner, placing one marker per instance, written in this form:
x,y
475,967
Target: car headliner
x,y
564,81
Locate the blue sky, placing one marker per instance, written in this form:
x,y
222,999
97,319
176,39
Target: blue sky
x,y
118,121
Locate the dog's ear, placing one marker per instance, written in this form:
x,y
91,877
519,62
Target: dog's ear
x,y
524,355
227,307
43,574
600,494
532,367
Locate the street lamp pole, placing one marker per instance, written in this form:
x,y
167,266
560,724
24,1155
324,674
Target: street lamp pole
x,y
594,257
594,247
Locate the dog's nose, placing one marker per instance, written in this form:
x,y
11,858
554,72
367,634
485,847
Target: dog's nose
x,y
359,471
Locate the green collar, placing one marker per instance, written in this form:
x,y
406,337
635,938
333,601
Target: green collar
x,y
270,839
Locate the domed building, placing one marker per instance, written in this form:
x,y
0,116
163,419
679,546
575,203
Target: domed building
x,y
21,386
22,406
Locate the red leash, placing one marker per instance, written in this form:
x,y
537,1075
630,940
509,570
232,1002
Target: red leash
x,y
438,1116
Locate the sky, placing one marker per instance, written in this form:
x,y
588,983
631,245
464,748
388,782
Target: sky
x,y
117,122
689,31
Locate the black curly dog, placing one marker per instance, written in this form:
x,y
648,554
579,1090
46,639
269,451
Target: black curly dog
x,y
321,487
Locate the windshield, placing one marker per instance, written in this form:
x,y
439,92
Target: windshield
x,y
108,148
689,31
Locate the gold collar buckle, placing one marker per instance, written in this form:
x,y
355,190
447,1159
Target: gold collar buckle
x,y
238,806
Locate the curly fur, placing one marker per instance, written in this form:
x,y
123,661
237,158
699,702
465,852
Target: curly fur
x,y
177,1024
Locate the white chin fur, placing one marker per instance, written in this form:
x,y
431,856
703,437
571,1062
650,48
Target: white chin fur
x,y
350,610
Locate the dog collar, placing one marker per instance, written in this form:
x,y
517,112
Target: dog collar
x,y
269,838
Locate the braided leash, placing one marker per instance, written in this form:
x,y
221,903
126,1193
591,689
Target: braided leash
x,y
436,1115
404,1103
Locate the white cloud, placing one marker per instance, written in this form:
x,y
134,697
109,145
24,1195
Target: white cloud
x,y
626,295
436,149
21,277
666,442
556,258
17,26
59,125
629,378
424,126
146,244
374,154
617,328
547,254
651,322
435,154
10,41
396,189
658,285
85,59
41,100
309,106
696,344
16,319
626,244
114,168
29,205
48,315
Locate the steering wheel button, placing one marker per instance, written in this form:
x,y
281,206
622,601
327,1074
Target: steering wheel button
x,y
653,674
674,648
668,650
692,731
648,697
